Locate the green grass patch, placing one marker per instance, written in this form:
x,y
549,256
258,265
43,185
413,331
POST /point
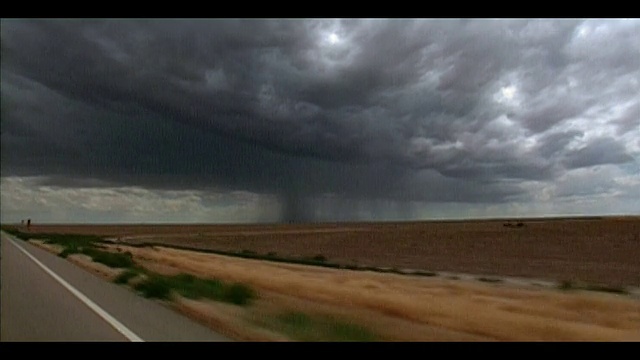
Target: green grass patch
x,y
302,327
489,280
125,276
80,244
114,260
155,287
69,250
15,232
192,287
22,235
67,240
239,294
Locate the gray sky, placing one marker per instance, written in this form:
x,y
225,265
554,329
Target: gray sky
x,y
327,119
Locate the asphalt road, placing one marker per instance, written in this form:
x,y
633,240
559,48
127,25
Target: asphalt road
x,y
46,298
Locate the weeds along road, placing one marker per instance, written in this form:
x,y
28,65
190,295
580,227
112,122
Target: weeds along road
x,y
46,298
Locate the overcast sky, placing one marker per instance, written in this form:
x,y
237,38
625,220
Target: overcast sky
x,y
318,119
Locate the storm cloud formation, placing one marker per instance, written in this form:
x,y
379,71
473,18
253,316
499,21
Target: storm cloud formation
x,y
326,114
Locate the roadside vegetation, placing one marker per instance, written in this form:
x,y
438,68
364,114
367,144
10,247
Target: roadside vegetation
x,y
287,306
567,285
191,287
296,326
304,327
91,245
126,276
152,285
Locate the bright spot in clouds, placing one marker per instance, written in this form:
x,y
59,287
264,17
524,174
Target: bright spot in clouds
x,y
333,38
508,92
507,95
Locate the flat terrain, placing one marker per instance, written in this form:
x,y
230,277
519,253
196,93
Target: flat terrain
x,y
313,303
594,250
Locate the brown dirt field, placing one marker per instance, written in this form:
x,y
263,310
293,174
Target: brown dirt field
x,y
598,250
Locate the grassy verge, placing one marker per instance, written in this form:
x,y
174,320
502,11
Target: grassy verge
x,y
125,276
303,327
66,240
297,326
153,285
79,244
110,259
189,286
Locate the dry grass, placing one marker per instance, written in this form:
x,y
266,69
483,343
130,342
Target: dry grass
x,y
227,319
482,311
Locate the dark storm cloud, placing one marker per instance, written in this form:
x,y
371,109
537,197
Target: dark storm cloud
x,y
281,107
629,120
540,119
597,152
553,145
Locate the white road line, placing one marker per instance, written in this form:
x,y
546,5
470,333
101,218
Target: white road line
x,y
130,335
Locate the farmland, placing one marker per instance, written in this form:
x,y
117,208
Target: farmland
x,y
598,250
325,303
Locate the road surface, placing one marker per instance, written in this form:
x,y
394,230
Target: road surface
x,y
46,298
